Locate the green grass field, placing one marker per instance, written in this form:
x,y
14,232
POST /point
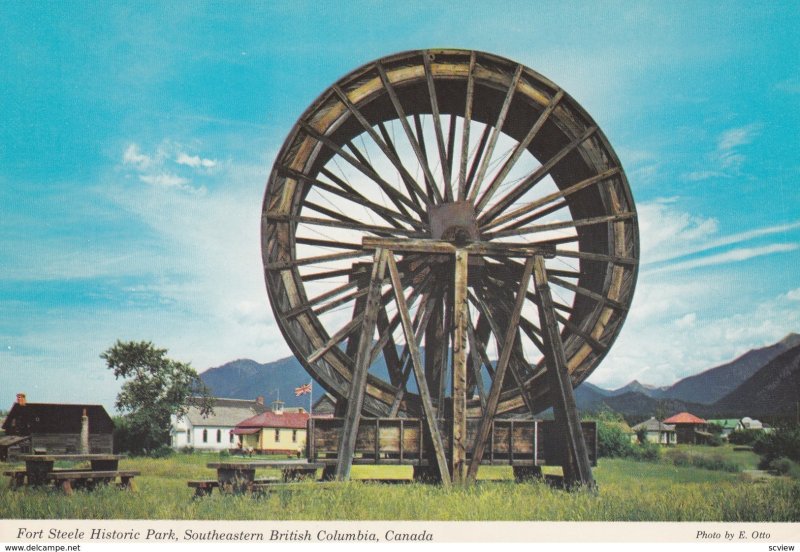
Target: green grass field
x,y
628,491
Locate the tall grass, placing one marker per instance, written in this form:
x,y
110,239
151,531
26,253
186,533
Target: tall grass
x,y
628,491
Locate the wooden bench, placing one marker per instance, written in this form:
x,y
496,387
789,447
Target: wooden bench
x,y
68,479
204,487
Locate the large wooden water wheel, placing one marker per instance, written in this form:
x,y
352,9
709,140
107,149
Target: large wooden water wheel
x,y
424,154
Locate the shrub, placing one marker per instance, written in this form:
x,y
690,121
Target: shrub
x,y
715,462
781,465
714,441
224,454
782,443
164,451
612,441
648,452
745,436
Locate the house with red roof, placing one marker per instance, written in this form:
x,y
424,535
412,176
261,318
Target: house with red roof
x,y
689,429
276,431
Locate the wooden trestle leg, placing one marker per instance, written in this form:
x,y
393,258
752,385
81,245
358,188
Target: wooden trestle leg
x,y
358,383
577,469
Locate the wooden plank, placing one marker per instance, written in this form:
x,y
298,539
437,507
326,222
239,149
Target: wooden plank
x,y
444,247
358,382
577,468
427,407
459,385
497,384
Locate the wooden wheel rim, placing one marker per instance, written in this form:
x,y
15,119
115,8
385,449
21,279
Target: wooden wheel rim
x,y
437,91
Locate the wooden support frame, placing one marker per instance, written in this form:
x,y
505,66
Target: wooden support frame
x,y
358,381
459,387
422,385
577,468
493,399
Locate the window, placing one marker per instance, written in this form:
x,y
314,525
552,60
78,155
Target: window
x,y
219,436
231,437
277,435
294,436
188,435
205,436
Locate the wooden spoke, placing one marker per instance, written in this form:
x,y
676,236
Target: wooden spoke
x,y
588,293
344,222
549,198
566,224
462,173
451,144
596,257
437,125
401,115
386,146
596,345
519,149
350,193
498,127
396,197
487,131
531,180
326,275
430,185
279,265
327,243
532,217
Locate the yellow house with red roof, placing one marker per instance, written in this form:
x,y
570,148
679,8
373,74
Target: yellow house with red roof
x,y
275,431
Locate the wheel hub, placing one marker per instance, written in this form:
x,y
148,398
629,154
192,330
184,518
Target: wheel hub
x,y
454,222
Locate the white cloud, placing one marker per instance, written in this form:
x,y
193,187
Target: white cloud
x,y
659,353
793,295
727,158
133,156
195,161
732,256
686,321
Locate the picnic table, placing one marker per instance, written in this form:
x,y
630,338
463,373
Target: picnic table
x,y
40,470
239,477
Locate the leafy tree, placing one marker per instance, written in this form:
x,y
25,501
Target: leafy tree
x,y
156,387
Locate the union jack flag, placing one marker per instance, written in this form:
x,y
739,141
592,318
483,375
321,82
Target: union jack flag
x,y
302,390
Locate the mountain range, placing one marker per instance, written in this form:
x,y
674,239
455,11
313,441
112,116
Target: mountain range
x,y
762,382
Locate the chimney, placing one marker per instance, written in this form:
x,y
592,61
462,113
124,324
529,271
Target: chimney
x,y
260,400
84,433
21,399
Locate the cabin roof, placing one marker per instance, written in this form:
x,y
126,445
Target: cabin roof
x,y
56,418
227,412
653,425
684,418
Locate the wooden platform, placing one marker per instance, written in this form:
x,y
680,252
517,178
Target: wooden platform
x,y
70,479
400,441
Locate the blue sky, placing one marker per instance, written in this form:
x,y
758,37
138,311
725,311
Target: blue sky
x,y
136,141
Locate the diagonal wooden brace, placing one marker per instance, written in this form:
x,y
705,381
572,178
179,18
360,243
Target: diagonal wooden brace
x,y
358,381
577,469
